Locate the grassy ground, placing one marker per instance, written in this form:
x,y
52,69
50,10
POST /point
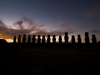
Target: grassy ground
x,y
49,60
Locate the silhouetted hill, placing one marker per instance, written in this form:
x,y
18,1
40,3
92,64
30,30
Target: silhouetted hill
x,y
3,41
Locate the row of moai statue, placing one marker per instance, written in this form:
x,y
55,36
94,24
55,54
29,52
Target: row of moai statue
x,y
43,39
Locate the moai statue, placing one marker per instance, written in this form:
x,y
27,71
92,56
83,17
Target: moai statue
x,y
34,39
54,39
73,39
79,39
94,40
43,39
29,38
39,39
66,37
48,39
14,40
87,37
60,39
24,38
19,39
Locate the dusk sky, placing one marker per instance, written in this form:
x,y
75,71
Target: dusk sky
x,y
49,17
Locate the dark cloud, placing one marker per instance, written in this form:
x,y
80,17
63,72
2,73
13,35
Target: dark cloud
x,y
19,24
94,11
1,23
33,28
95,31
30,21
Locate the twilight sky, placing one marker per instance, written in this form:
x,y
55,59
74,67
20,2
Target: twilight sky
x,y
49,17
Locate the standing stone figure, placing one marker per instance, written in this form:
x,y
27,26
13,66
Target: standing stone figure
x,y
94,40
24,38
79,39
60,39
66,37
54,39
87,37
14,40
39,39
73,39
29,38
48,39
34,39
19,39
43,39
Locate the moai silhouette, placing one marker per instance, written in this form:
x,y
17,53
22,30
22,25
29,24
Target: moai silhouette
x,y
19,39
73,39
29,38
48,39
79,39
87,37
14,40
43,39
66,37
54,39
24,38
94,40
39,39
33,39
60,39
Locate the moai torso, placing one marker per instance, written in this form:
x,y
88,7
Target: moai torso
x,y
79,39
94,40
73,39
39,39
43,39
14,40
33,39
66,37
60,39
24,38
54,39
87,37
19,39
29,38
48,39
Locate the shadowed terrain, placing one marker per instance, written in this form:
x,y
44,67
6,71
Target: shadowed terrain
x,y
50,59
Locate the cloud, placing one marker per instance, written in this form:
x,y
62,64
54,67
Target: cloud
x,y
1,23
36,29
19,24
95,11
95,31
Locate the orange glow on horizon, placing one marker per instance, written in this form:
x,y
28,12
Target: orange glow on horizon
x,y
9,40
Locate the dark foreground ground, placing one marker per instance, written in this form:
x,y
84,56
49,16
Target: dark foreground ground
x,y
49,59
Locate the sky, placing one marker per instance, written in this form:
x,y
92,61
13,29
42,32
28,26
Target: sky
x,y
54,17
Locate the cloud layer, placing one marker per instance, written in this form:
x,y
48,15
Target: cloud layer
x,y
94,11
31,28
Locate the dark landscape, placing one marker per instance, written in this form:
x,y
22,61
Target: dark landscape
x,y
49,58
49,37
